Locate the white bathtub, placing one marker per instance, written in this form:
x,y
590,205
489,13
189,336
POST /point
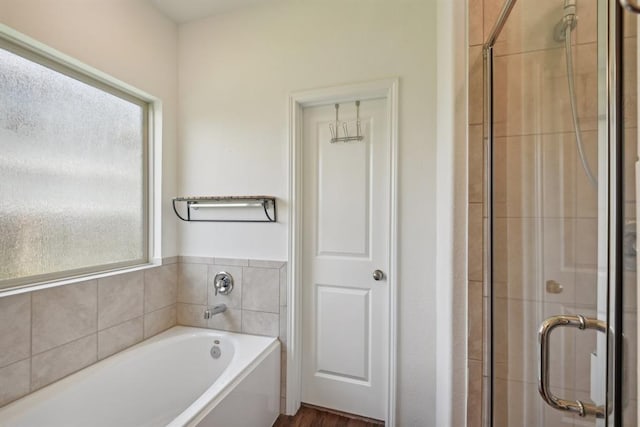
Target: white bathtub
x,y
168,380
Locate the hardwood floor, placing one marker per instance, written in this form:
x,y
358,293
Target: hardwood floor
x,y
311,416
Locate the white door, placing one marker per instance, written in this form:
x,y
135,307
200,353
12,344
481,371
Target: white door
x,y
346,235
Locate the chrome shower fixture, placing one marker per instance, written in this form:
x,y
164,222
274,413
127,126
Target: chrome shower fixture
x,y
569,20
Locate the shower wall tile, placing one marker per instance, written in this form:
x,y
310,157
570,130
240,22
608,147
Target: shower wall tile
x,y
63,314
61,361
120,298
160,287
474,402
558,176
234,299
15,329
476,164
475,320
120,337
475,255
523,84
476,85
490,15
630,82
15,381
587,29
261,289
631,150
476,14
192,283
159,320
530,27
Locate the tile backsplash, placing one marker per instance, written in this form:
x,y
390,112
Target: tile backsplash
x,y
256,305
48,334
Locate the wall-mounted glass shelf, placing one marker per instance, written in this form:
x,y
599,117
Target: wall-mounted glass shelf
x,y
226,208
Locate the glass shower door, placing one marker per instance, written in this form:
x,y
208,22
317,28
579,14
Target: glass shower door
x,y
562,206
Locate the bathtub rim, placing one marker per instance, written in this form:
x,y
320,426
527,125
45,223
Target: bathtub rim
x,y
199,407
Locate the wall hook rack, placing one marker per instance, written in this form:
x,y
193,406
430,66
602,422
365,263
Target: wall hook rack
x,y
219,208
335,128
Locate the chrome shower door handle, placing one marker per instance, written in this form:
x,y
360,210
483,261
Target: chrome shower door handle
x,y
582,323
631,7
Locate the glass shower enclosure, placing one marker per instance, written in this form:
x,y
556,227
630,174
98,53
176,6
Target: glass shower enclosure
x,y
561,85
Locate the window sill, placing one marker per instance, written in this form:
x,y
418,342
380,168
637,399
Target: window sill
x,y
22,289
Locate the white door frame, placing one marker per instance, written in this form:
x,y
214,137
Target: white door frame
x,y
387,88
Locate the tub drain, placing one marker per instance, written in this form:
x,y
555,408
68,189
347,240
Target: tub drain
x,y
215,352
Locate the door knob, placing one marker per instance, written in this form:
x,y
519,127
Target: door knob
x,y
378,275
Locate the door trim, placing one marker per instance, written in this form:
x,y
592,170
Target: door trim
x,y
387,88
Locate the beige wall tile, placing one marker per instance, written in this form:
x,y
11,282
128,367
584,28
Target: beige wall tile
x,y
230,320
517,342
476,85
491,11
266,263
476,164
630,156
475,257
192,283
160,287
474,399
283,285
191,315
630,83
531,95
521,406
476,22
475,320
14,381
54,364
120,337
558,199
120,298
587,29
159,320
261,289
63,314
15,329
234,299
283,326
260,323
232,262
195,260
529,27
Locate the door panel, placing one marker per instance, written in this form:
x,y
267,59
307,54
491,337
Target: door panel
x,y
346,237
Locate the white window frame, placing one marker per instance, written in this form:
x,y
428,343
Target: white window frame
x,y
42,54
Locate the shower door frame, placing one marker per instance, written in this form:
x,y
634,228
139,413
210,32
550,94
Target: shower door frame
x,y
615,211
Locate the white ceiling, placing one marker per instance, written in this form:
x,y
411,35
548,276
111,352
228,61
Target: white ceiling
x,y
182,11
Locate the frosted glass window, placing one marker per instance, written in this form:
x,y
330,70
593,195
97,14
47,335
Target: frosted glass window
x,y
72,174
